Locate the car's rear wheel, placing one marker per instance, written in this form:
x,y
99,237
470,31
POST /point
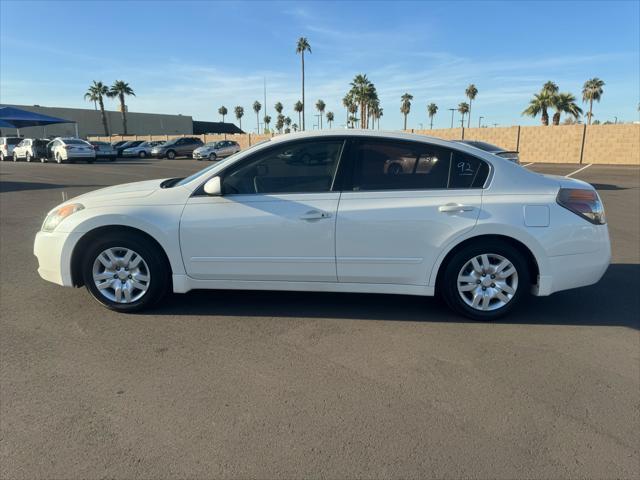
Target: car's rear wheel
x,y
14,157
27,157
213,157
485,281
142,154
124,272
171,154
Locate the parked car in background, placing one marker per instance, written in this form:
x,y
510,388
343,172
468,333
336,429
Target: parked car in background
x,y
117,144
473,227
63,149
104,150
216,150
176,147
31,149
7,144
125,145
496,150
142,150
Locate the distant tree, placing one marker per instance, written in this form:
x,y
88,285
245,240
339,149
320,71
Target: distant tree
x,y
564,103
550,87
301,47
405,107
278,107
121,89
239,111
257,106
320,106
96,92
463,108
592,90
280,122
287,122
347,101
267,121
432,109
379,114
330,118
298,107
223,111
295,127
471,93
540,104
596,122
353,109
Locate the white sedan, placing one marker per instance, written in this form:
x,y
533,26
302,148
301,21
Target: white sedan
x,y
321,211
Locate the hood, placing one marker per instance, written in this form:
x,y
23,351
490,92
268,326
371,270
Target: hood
x,y
120,192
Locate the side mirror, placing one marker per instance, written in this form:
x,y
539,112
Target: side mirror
x,y
213,186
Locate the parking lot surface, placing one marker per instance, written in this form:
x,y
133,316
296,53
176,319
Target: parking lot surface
x,y
272,384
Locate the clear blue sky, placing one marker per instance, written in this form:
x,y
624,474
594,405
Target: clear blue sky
x,y
192,57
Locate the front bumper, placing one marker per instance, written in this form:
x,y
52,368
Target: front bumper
x,y
53,251
198,155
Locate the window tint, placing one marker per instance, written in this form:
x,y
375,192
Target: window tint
x,y
13,141
391,165
301,167
75,142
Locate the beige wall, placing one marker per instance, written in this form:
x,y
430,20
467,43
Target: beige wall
x,y
615,144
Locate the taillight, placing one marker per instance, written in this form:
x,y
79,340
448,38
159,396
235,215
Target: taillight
x,y
584,203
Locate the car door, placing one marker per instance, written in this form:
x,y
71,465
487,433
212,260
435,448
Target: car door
x,y
402,203
274,221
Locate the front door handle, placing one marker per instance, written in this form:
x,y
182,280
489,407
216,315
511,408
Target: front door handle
x,y
315,215
455,208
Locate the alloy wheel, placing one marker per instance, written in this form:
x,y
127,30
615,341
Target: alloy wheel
x,y
487,282
121,275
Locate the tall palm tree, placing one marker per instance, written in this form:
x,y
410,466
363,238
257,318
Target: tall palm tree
x,y
330,118
550,87
539,104
379,114
405,107
223,111
256,108
295,127
120,89
267,121
353,109
279,122
239,111
278,107
301,47
463,108
92,97
362,91
97,91
432,109
320,106
592,90
471,93
565,103
347,101
299,107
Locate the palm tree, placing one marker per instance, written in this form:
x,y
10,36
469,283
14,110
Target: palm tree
x,y
278,107
280,122
256,108
565,103
239,111
287,122
362,92
320,106
301,47
592,90
96,92
223,111
353,109
540,103
330,118
347,101
92,97
120,89
267,121
463,108
471,93
432,109
550,87
405,107
299,107
379,114
295,127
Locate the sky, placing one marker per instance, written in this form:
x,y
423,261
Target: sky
x,y
192,57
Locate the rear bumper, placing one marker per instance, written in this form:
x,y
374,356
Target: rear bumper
x,y
572,271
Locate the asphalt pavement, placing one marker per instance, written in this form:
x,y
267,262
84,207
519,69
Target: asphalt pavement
x,y
286,385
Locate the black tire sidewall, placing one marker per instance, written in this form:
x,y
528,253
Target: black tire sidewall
x,y
449,281
171,155
213,157
159,270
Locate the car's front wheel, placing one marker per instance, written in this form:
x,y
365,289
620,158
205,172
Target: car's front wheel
x,y
142,154
125,273
213,157
171,154
486,280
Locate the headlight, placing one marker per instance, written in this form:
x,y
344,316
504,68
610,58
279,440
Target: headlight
x,y
59,214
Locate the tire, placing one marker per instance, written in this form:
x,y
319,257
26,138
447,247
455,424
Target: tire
x,y
43,160
171,155
142,154
27,157
212,157
460,266
152,266
14,157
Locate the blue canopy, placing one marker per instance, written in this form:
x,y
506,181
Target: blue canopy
x,y
11,117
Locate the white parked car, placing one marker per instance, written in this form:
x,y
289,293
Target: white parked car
x,y
321,211
7,144
64,149
216,150
31,149
142,151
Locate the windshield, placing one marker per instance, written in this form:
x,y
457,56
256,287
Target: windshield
x,y
204,171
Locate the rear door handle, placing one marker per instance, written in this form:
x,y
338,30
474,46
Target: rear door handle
x,y
455,207
315,215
